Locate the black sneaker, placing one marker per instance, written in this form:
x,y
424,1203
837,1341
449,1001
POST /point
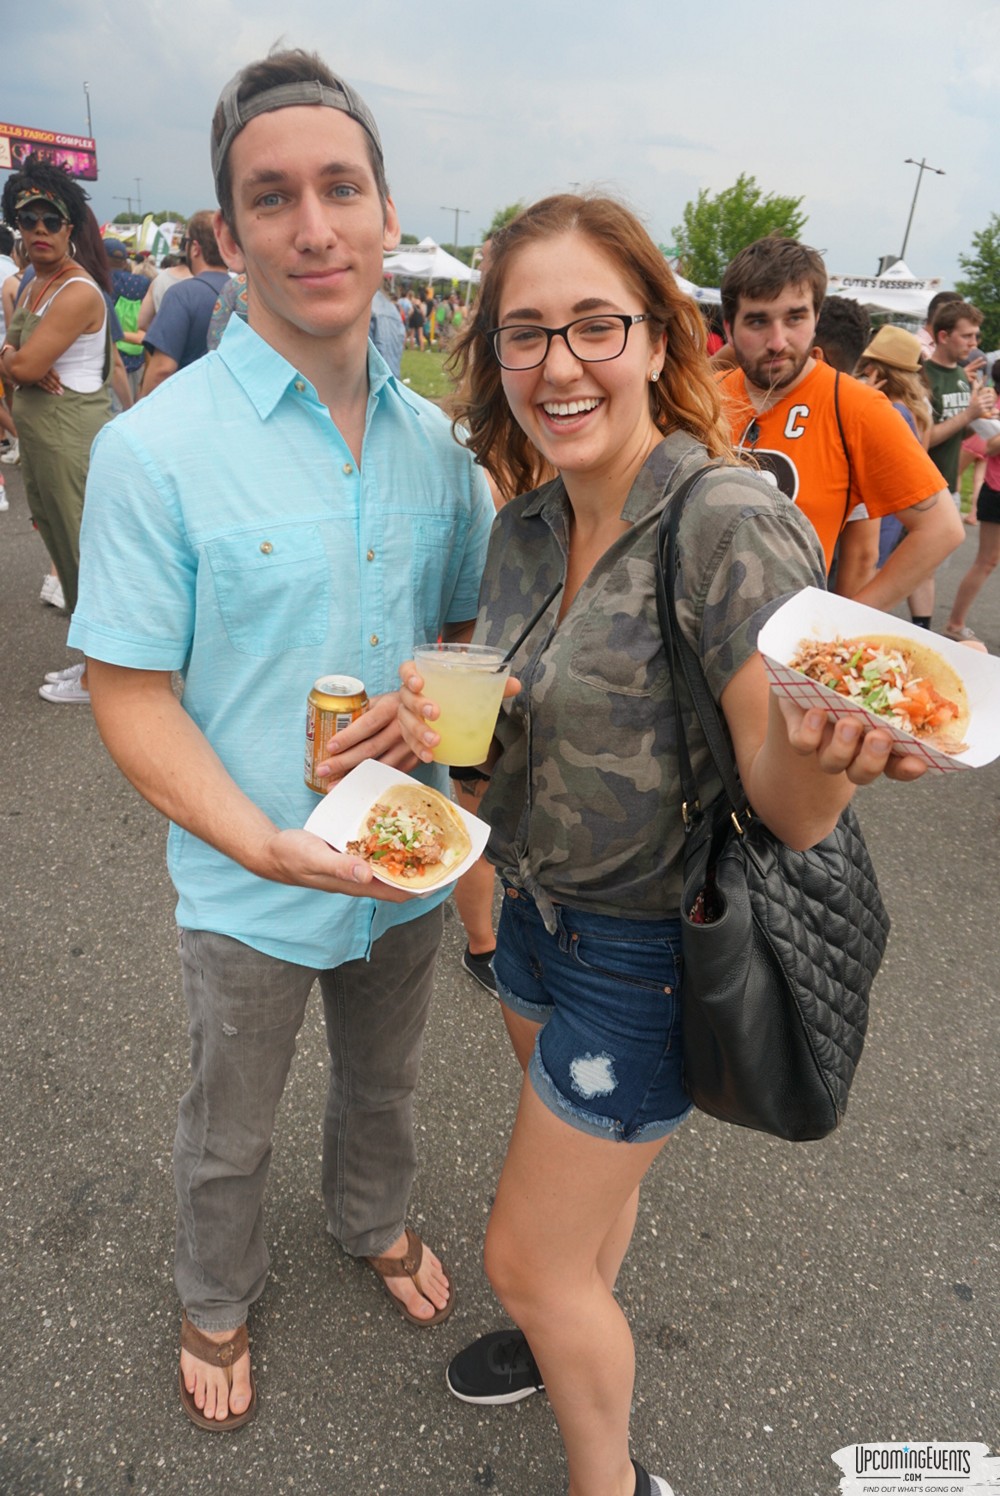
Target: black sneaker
x,y
497,1368
481,967
650,1485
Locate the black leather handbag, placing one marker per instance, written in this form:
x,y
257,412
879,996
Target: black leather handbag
x,y
779,948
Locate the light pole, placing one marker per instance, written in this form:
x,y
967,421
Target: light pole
x,y
456,212
138,191
125,199
921,168
90,128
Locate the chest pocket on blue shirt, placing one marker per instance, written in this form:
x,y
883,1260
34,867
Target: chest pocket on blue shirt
x,y
419,549
273,588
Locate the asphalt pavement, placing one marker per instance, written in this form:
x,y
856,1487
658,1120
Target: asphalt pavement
x,y
786,1300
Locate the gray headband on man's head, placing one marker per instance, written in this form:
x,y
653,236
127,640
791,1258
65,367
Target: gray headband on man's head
x,y
238,113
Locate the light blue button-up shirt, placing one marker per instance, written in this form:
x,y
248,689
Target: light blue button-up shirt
x,y
229,534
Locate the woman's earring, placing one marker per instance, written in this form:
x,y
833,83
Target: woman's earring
x,y
654,376
72,250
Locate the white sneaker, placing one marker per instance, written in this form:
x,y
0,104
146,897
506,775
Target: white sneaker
x,y
650,1485
52,592
68,692
13,453
72,672
4,502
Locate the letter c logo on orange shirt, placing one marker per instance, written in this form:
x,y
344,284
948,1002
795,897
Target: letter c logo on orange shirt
x,y
793,423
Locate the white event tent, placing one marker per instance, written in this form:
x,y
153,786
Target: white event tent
x,y
898,291
703,294
427,261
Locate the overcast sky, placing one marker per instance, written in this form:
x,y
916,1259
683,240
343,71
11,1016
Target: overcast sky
x,y
482,104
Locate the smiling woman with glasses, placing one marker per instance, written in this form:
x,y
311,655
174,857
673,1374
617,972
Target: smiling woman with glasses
x,y
593,340
584,357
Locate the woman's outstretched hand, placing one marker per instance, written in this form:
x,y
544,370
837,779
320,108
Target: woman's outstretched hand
x,y
848,746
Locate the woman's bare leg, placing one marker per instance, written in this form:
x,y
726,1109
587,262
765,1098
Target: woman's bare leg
x,y
612,1250
474,890
978,573
562,1196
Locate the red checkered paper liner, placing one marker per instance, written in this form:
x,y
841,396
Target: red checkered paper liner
x,y
812,614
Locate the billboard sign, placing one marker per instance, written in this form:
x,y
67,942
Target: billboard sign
x,y
76,154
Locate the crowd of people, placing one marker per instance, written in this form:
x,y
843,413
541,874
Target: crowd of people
x,y
584,399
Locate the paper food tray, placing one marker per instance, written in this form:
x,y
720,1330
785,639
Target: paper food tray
x,y
339,817
812,614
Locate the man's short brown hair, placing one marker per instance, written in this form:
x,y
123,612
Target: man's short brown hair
x,y
947,317
200,228
763,270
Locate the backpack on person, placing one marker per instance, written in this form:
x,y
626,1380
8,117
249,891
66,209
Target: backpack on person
x,y
127,312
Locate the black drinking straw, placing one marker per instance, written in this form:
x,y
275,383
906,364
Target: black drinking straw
x,y
529,626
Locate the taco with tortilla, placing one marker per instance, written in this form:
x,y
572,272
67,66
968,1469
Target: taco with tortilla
x,y
908,684
412,836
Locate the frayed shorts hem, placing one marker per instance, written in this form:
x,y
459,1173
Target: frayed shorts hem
x,y
608,1128
533,1012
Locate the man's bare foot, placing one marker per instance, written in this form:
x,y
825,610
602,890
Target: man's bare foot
x,y
209,1386
424,1292
430,1282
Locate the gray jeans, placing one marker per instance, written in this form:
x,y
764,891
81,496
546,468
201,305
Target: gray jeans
x,y
245,1011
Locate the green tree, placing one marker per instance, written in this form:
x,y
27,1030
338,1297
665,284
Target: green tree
x,y
463,252
981,285
502,218
717,228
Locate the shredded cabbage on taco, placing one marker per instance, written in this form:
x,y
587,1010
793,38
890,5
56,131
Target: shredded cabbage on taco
x,y
908,685
413,836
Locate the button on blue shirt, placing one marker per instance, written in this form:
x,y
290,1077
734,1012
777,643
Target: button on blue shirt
x,y
229,534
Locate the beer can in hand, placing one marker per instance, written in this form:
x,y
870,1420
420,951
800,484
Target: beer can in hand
x,y
335,701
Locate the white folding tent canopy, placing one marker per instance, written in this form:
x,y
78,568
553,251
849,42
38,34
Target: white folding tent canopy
x,y
427,261
703,294
898,290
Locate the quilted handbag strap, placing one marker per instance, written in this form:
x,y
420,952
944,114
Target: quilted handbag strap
x,y
685,662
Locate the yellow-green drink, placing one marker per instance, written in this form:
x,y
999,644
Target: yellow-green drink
x,y
465,681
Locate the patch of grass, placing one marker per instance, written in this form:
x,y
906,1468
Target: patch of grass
x,y
424,372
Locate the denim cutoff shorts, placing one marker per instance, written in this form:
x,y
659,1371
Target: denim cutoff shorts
x,y
606,990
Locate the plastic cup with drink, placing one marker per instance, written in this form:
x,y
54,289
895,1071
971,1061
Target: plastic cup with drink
x,y
466,682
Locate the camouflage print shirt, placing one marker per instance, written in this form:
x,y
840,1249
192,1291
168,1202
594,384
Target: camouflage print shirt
x,y
584,801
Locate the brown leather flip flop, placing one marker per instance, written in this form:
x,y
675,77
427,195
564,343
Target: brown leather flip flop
x,y
225,1355
409,1267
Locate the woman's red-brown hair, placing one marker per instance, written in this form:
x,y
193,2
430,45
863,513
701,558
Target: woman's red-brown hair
x,y
684,398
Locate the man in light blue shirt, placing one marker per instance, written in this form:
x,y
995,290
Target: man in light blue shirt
x,y
281,509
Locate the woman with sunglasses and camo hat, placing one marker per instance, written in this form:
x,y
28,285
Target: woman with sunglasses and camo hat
x,y
58,357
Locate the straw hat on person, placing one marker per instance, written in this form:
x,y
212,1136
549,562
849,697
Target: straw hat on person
x,y
896,348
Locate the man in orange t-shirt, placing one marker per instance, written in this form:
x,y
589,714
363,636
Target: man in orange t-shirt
x,y
828,441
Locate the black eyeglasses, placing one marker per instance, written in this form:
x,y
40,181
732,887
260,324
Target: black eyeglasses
x,y
29,219
593,340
